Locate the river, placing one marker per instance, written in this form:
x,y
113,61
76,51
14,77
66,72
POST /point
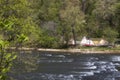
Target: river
x,y
32,65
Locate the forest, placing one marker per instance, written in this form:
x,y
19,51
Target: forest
x,y
50,23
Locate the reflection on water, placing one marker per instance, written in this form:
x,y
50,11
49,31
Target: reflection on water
x,y
65,66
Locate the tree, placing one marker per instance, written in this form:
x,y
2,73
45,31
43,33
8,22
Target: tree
x,y
6,58
88,6
15,25
18,12
46,16
72,20
102,17
116,19
110,34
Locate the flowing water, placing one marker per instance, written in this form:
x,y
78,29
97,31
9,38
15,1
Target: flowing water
x,y
65,66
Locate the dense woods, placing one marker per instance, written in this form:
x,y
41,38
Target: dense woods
x,y
50,23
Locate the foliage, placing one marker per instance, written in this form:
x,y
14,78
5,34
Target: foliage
x,y
51,23
72,20
15,14
46,41
110,34
5,60
68,19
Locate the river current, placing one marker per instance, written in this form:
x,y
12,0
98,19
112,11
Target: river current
x,y
65,66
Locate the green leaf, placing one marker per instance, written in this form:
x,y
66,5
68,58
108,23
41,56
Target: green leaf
x,y
14,57
7,56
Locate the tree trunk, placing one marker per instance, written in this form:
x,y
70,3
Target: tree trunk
x,y
74,37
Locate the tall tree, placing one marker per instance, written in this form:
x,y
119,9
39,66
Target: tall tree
x,y
103,17
87,7
72,19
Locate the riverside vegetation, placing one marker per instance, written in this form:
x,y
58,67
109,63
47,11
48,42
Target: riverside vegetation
x,y
50,23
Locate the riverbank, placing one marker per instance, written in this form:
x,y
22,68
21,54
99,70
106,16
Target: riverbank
x,y
71,50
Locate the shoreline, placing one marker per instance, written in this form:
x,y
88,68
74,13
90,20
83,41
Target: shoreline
x,y
81,51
